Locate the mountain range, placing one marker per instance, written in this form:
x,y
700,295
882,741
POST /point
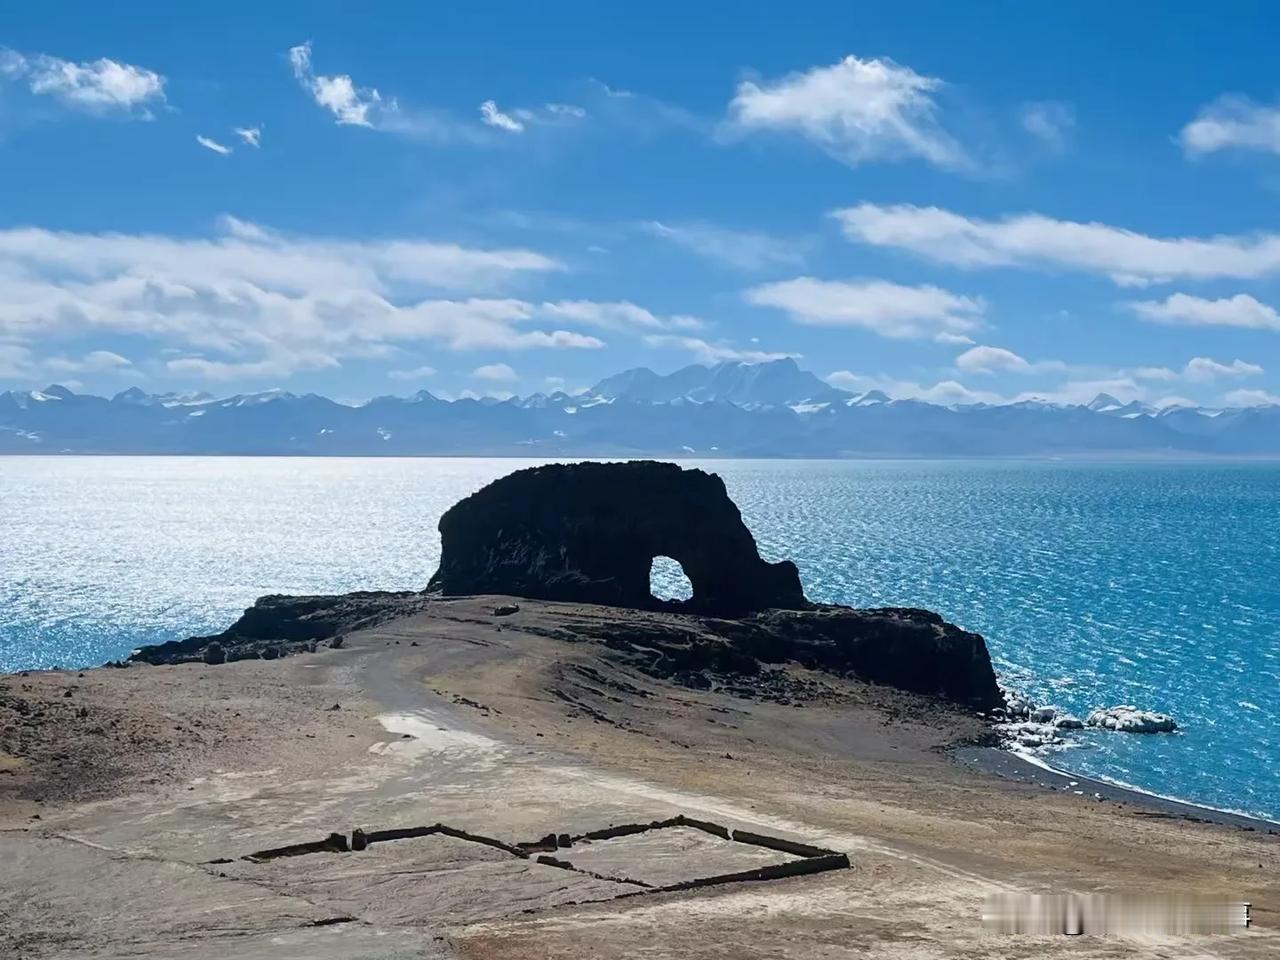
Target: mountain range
x,y
731,409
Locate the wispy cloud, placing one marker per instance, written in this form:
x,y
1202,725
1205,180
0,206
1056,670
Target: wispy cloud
x,y
1233,123
415,373
96,86
337,93
944,392
739,249
250,135
888,309
491,116
1251,398
856,110
1033,240
214,145
1182,309
707,352
616,315
1049,121
357,106
1200,370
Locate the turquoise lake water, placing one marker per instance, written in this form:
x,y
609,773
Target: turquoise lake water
x,y
1094,584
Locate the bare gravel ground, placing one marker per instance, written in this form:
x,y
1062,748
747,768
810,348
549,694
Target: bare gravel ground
x,y
126,810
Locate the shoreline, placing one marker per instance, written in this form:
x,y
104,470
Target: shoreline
x,y
1007,765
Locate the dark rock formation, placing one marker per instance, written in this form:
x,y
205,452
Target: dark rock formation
x,y
912,650
588,533
278,626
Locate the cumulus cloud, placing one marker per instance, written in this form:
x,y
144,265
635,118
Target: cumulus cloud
x,y
1182,309
1251,398
707,352
213,145
855,110
250,135
990,359
491,116
498,372
888,309
1033,240
1233,123
97,86
740,249
1050,122
251,301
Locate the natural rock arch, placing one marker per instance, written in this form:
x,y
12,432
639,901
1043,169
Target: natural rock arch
x,y
588,532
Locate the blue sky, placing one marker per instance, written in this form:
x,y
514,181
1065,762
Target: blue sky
x,y
360,199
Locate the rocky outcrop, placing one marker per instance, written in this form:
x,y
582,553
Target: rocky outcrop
x,y
279,626
588,533
912,650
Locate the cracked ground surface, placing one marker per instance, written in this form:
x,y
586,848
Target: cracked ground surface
x,y
455,716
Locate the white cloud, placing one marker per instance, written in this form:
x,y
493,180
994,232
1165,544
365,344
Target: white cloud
x,y
213,145
15,361
1251,398
221,370
97,86
95,361
338,94
1038,241
1049,121
250,135
498,372
1182,309
254,301
991,359
616,315
741,249
713,352
855,110
1233,123
568,110
493,117
888,309
417,373
1199,370
945,392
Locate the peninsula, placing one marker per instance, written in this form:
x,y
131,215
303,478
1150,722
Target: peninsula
x,y
536,758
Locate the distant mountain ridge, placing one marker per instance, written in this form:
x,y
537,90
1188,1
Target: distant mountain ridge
x,y
730,409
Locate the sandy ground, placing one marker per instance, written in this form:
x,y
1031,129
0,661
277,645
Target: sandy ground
x,y
127,807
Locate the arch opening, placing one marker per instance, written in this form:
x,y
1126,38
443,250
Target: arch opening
x,y
668,581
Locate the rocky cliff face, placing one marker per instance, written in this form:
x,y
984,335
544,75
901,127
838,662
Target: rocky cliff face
x,y
588,533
